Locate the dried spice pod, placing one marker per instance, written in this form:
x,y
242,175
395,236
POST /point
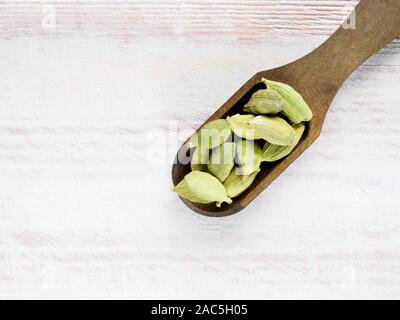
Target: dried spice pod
x,y
295,108
275,130
272,152
200,159
265,101
211,135
240,125
248,157
222,161
272,129
202,187
236,184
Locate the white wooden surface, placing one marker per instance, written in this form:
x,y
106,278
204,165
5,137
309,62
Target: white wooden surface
x,y
90,89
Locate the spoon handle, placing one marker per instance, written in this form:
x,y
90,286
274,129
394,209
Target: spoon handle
x,y
371,26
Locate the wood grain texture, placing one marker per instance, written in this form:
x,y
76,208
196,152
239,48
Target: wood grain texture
x,y
85,213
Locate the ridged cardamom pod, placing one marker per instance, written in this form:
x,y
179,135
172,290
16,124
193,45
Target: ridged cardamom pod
x,y
265,101
295,108
236,184
200,159
222,161
249,157
240,125
272,152
272,129
202,187
211,135
275,130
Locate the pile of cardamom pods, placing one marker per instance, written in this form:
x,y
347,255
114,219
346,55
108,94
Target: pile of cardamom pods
x,y
227,153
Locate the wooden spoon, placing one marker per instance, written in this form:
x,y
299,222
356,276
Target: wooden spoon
x,y
317,77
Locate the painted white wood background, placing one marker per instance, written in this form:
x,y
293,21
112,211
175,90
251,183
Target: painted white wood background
x,y
90,89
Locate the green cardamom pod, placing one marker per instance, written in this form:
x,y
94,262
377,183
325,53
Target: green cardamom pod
x,y
211,135
249,157
295,108
236,184
202,187
200,159
272,152
240,125
222,161
265,101
273,129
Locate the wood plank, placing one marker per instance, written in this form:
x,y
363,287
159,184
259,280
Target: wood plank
x,y
85,214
